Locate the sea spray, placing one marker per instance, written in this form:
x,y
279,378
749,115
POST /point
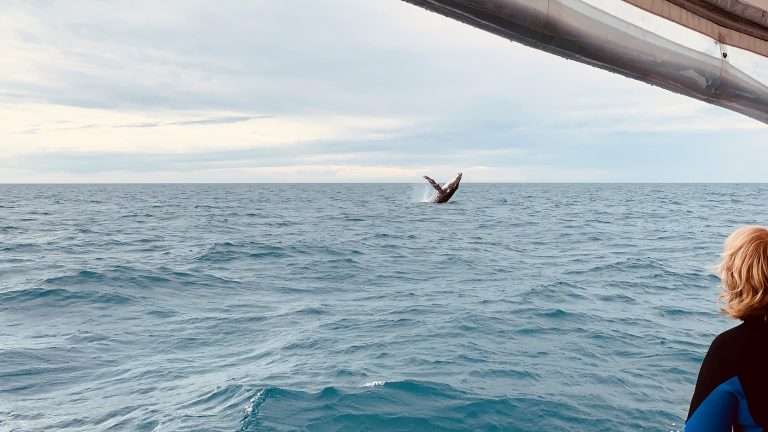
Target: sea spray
x,y
421,192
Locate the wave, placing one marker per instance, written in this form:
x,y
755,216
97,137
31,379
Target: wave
x,y
57,297
227,251
411,405
379,405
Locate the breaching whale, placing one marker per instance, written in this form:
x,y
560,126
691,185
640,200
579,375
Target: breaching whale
x,y
446,192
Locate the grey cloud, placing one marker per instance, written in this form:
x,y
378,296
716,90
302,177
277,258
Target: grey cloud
x,y
221,120
206,121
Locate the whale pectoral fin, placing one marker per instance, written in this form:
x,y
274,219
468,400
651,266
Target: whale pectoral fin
x,y
434,184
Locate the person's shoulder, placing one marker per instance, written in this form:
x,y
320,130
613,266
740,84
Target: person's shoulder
x,y
730,338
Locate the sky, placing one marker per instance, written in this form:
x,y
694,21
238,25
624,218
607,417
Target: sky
x,y
331,91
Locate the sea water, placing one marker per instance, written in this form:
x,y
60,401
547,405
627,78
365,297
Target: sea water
x,y
263,307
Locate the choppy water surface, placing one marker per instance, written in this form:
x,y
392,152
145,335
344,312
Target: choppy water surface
x,y
356,307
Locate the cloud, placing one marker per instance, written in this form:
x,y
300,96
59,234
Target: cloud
x,y
44,129
207,121
326,173
379,57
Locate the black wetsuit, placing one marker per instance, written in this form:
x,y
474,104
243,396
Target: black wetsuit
x,y
732,389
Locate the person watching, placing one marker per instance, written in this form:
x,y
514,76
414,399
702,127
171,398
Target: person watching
x,y
732,387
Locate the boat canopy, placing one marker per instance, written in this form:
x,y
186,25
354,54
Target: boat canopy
x,y
739,23
711,50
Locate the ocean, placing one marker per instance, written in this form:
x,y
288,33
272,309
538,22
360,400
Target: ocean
x,y
358,307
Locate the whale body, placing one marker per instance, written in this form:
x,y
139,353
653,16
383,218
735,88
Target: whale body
x,y
445,192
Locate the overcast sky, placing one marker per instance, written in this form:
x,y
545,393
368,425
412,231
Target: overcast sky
x,y
331,91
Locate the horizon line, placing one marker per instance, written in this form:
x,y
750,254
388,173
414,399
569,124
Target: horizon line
x,y
379,182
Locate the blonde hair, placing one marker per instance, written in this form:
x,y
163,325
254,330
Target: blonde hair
x,y
744,273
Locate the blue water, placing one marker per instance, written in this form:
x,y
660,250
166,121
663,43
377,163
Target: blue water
x,y
514,307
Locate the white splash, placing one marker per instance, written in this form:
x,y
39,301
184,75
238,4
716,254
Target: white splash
x,y
422,193
374,383
256,400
